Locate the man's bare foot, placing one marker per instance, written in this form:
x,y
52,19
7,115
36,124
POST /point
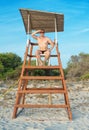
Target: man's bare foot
x,y
44,63
40,64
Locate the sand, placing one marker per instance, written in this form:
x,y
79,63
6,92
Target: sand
x,y
44,118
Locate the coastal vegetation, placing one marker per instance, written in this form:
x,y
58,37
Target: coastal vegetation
x,y
78,67
10,66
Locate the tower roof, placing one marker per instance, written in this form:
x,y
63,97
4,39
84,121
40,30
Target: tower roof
x,y
42,20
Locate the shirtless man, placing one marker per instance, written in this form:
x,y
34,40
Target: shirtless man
x,y
43,46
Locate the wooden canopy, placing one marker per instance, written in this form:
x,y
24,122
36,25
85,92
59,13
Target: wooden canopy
x,y
35,20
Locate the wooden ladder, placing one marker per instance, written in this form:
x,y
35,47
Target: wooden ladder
x,y
25,77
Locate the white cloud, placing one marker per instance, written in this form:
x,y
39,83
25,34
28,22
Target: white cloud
x,y
85,30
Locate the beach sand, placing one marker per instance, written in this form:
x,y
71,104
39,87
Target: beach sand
x,y
44,118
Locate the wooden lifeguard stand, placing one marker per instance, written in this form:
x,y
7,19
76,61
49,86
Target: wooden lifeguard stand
x,y
51,22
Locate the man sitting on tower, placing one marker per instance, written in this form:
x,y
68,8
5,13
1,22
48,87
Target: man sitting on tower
x,y
43,42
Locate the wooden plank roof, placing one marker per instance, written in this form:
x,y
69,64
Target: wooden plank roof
x,y
42,20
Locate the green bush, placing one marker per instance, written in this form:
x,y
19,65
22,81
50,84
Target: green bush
x,y
9,64
78,66
85,77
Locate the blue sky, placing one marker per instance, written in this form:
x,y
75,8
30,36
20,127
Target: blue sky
x,y
72,41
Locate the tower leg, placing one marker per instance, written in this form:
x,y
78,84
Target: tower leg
x,y
15,107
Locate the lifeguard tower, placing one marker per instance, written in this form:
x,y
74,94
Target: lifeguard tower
x,y
50,22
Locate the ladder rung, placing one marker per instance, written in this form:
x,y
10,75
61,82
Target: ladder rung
x,y
42,90
41,106
42,55
42,77
42,67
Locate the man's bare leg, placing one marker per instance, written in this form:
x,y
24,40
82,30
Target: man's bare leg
x,y
40,62
39,58
47,55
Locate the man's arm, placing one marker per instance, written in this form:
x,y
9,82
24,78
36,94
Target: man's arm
x,y
33,34
51,43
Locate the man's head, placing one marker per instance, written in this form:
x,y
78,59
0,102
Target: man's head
x,y
42,32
